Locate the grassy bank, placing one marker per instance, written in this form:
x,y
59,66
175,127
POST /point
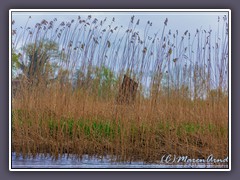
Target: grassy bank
x,y
128,132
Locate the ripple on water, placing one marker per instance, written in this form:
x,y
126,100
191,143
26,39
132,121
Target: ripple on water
x,y
41,161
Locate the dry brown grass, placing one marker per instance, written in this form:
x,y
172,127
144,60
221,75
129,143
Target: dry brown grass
x,y
49,120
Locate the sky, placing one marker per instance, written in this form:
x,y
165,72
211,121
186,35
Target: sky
x,y
180,21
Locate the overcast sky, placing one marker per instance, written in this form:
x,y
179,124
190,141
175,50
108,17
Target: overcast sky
x,y
180,21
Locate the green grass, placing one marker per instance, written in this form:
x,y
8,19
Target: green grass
x,y
110,128
98,136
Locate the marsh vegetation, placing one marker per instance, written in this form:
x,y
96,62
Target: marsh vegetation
x,y
68,78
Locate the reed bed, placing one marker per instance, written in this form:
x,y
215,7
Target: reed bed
x,y
71,73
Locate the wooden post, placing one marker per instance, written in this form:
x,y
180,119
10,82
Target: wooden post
x,y
127,91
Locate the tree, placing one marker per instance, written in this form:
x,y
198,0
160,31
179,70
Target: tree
x,y
107,82
41,62
96,81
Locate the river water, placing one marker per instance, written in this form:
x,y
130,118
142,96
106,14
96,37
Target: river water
x,y
89,163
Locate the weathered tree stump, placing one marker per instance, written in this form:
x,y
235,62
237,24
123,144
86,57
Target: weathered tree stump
x,y
127,91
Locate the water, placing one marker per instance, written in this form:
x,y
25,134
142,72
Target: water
x,y
89,163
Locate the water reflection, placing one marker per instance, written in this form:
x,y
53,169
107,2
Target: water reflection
x,y
87,162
